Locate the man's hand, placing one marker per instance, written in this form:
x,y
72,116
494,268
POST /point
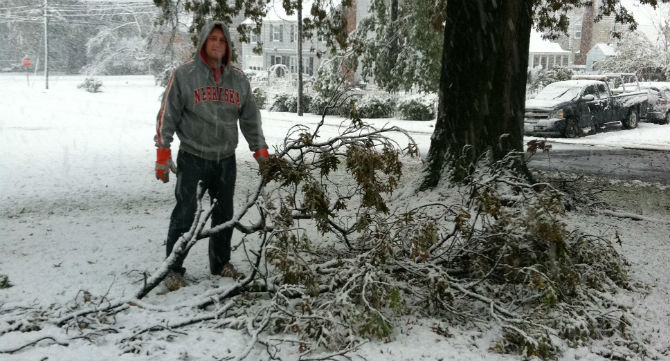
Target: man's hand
x,y
164,164
262,157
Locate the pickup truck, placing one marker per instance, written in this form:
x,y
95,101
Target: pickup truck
x,y
572,108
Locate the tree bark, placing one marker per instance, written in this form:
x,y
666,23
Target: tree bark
x,y
482,85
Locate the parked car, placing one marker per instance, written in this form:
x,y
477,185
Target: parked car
x,y
659,101
573,108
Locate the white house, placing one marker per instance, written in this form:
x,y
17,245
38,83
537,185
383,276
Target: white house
x,y
599,52
546,54
279,36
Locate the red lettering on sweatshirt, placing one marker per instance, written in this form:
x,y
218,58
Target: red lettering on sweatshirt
x,y
196,96
208,94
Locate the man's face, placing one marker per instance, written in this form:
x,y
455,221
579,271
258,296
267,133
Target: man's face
x,y
216,44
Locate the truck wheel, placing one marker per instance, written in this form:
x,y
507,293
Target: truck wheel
x,y
571,129
631,121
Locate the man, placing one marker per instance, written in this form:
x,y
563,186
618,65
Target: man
x,y
203,102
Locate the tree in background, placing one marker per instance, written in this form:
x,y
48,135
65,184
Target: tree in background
x,y
120,45
483,78
661,22
636,54
327,19
538,77
22,34
403,51
97,37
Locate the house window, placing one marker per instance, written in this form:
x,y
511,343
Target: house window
x,y
602,91
536,61
565,60
543,62
613,31
578,31
277,32
308,65
254,37
591,89
293,64
550,65
293,33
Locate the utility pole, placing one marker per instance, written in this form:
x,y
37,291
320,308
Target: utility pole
x,y
46,44
299,58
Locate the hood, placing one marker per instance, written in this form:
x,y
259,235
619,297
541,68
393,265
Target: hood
x,y
545,103
203,37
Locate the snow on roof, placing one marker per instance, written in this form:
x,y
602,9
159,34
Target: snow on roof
x,y
539,45
605,49
576,83
655,84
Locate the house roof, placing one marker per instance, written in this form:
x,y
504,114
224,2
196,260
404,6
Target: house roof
x,y
604,49
539,45
577,83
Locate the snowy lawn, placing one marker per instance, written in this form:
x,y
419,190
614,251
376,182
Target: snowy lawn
x,y
80,210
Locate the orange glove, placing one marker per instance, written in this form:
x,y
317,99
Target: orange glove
x,y
261,155
164,164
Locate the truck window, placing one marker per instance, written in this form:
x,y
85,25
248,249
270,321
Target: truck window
x,y
591,89
602,91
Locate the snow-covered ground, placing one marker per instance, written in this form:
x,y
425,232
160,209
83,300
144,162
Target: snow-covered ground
x,y
80,209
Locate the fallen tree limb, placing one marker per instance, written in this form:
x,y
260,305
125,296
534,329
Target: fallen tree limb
x,y
633,216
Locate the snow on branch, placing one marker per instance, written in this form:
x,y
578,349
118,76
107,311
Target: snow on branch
x,y
335,260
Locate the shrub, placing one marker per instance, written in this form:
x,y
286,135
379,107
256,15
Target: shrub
x,y
306,102
91,85
416,110
4,282
279,104
289,103
318,106
371,107
259,97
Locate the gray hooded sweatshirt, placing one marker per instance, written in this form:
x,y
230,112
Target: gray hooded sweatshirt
x,y
204,112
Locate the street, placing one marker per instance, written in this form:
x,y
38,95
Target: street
x,y
618,163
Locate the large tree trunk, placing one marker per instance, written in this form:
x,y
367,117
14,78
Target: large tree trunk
x,y
482,85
